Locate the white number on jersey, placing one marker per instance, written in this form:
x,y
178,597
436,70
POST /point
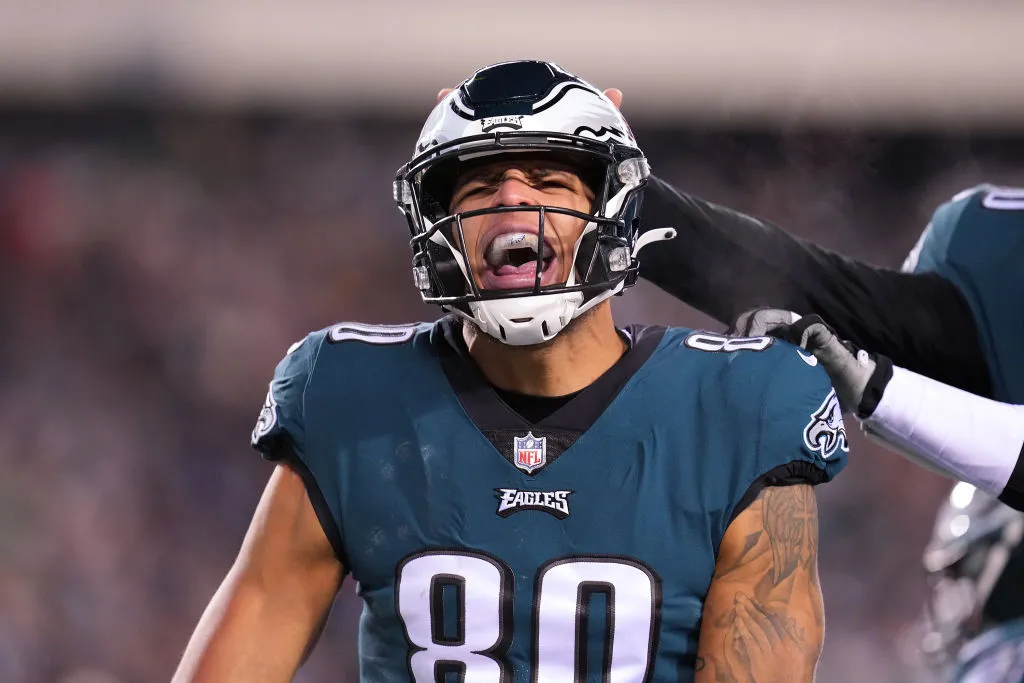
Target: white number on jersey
x,y
708,341
372,334
1004,199
484,586
564,587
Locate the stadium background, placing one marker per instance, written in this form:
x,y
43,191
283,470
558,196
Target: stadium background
x,y
186,188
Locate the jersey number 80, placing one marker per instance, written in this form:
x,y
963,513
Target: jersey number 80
x,y
482,586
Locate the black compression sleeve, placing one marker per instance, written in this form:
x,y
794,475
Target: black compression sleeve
x,y
723,262
1013,493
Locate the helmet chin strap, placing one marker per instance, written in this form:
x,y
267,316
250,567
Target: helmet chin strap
x,y
527,320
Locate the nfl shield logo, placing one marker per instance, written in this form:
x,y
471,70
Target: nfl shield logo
x,y
531,452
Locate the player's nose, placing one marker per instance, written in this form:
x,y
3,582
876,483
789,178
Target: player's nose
x,y
514,190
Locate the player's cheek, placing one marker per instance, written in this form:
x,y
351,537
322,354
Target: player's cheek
x,y
568,237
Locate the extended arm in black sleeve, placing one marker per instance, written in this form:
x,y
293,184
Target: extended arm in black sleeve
x,y
723,262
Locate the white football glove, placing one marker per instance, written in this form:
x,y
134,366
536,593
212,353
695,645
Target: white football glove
x,y
859,377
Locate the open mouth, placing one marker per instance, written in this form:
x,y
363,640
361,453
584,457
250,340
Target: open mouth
x,y
511,261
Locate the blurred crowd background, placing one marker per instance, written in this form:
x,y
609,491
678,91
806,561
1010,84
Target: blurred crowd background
x,y
159,252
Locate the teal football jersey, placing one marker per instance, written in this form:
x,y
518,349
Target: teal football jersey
x,y
580,547
976,241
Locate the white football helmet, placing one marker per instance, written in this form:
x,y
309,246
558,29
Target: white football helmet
x,y
513,108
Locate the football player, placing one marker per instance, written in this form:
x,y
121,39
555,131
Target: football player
x,y
954,432
523,491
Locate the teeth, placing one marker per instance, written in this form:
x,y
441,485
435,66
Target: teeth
x,y
502,244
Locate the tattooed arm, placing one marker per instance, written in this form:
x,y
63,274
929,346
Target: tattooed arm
x,y
763,620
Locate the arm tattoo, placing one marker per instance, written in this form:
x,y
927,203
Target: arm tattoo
x,y
791,525
765,623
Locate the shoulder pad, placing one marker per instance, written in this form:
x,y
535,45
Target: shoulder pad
x,y
933,247
800,418
282,420
782,389
280,424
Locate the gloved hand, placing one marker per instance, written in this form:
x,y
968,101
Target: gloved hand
x,y
859,377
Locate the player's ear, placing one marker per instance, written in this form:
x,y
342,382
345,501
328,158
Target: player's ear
x,y
444,91
615,95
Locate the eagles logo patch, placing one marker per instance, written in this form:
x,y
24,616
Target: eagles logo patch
x,y
267,419
825,434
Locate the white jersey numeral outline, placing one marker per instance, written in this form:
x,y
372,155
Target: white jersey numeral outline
x,y
563,590
1004,199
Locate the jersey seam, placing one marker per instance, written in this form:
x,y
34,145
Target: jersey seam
x,y
311,367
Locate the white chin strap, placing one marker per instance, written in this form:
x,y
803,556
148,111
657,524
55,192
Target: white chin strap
x,y
526,320
529,320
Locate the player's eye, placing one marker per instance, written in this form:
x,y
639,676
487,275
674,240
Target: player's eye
x,y
471,190
555,182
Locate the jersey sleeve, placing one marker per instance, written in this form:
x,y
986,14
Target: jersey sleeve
x,y
975,241
801,438
281,435
931,253
802,429
723,263
280,430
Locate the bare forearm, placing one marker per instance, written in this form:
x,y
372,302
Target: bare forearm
x,y
770,629
271,606
239,639
756,641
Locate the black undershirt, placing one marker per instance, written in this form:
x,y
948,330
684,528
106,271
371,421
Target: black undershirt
x,y
531,408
